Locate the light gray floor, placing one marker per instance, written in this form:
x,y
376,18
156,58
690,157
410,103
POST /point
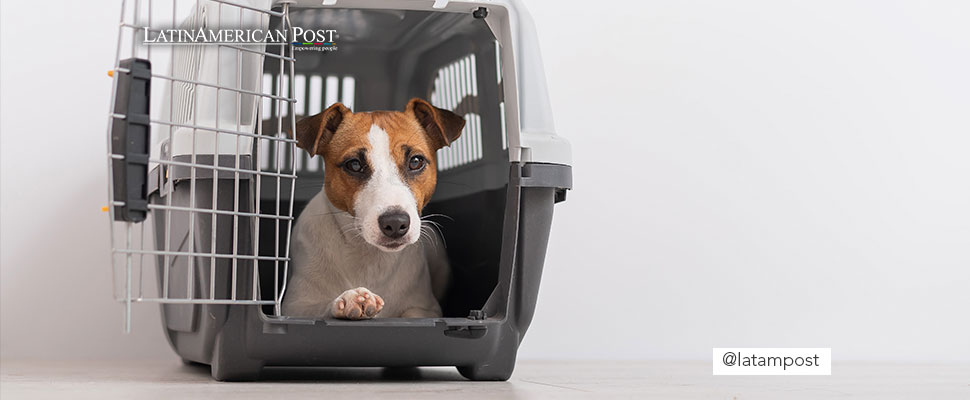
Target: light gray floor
x,y
560,379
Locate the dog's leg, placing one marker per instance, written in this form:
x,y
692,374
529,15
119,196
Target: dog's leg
x,y
359,303
438,266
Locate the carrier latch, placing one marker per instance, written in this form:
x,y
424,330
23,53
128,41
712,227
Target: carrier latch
x,y
466,332
130,131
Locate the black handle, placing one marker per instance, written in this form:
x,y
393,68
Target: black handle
x,y
131,138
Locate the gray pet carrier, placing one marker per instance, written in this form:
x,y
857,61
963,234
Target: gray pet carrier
x,y
206,183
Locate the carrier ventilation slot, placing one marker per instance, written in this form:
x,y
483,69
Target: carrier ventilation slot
x,y
501,105
188,63
313,94
456,89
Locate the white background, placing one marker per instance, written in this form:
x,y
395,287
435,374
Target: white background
x,y
747,174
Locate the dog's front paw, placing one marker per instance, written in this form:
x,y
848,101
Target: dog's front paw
x,y
358,303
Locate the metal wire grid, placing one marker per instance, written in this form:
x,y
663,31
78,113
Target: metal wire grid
x,y
128,239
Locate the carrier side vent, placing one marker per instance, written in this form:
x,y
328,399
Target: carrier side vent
x,y
188,63
505,136
456,89
501,105
313,93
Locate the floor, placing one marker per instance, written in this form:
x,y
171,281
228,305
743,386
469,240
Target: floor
x,y
532,379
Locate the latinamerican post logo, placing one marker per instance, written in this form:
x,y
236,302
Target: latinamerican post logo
x,y
300,38
316,40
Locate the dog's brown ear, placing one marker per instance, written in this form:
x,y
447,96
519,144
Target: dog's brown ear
x,y
313,133
442,126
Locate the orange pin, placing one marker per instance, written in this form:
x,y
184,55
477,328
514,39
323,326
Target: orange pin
x,y
104,209
111,73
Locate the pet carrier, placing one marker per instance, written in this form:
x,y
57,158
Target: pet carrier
x,y
206,183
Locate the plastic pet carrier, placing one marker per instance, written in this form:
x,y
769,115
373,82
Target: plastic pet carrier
x,y
206,183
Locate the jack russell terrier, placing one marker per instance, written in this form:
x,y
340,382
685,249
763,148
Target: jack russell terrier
x,y
355,248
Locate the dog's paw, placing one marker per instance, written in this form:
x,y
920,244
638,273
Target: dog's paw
x,y
359,303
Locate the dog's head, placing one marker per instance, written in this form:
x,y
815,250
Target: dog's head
x,y
381,166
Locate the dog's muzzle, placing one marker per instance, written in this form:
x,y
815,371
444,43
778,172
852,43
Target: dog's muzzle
x,y
394,224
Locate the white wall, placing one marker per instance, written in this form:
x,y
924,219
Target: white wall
x,y
748,173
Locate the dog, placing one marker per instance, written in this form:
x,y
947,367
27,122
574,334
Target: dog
x,y
355,248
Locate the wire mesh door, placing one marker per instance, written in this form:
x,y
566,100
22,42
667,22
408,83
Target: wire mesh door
x,y
195,219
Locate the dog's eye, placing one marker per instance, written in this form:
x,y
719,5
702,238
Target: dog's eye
x,y
416,163
354,166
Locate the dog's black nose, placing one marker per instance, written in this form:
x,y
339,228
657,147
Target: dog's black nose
x,y
394,224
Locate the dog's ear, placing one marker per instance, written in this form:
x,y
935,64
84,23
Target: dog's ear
x,y
313,133
442,126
